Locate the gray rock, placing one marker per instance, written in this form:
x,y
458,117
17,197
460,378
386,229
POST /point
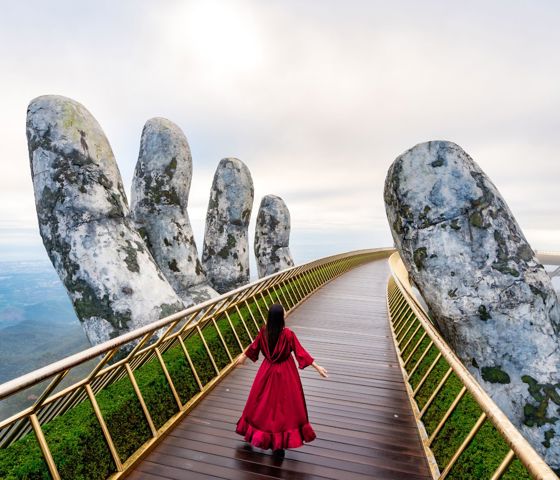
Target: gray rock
x,y
272,236
111,278
160,192
487,292
225,256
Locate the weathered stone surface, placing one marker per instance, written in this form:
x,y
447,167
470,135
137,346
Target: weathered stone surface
x,y
111,278
160,192
489,296
272,236
225,256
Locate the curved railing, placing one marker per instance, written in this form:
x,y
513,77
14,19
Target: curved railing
x,y
464,433
119,405
548,257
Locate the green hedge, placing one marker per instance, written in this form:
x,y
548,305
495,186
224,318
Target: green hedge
x,y
487,449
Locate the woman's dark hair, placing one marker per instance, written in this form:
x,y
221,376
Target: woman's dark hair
x,y
274,325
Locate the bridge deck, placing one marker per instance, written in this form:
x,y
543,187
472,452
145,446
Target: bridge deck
x,y
361,414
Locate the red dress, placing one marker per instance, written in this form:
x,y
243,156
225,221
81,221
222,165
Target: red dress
x,y
275,415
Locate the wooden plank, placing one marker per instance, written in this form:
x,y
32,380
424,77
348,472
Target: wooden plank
x,y
361,413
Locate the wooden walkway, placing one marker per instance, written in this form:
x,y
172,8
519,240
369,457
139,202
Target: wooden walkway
x,y
361,413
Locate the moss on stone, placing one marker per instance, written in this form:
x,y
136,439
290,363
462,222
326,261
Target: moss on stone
x,y
539,292
524,252
495,375
224,252
505,269
439,162
548,436
419,255
423,217
476,220
543,393
483,313
171,167
131,258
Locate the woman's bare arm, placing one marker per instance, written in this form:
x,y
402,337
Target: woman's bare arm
x,y
241,359
320,370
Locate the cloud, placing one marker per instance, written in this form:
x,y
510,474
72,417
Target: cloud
x,y
317,99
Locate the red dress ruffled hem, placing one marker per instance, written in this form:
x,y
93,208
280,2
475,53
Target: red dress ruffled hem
x,y
275,440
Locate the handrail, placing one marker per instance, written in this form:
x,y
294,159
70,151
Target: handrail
x,y
239,314
406,314
548,257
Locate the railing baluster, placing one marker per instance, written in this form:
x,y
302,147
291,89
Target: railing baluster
x,y
47,391
297,290
140,397
401,338
289,293
267,306
234,331
448,413
413,351
104,429
168,378
257,326
426,375
424,353
208,350
308,285
399,313
191,364
503,466
464,445
407,317
245,325
222,339
436,392
44,446
403,349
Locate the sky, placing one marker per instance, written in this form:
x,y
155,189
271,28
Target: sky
x,y
316,97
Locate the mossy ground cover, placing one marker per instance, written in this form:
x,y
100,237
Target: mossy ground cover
x,y
75,438
487,449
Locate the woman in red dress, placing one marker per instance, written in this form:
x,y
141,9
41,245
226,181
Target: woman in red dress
x,y
275,415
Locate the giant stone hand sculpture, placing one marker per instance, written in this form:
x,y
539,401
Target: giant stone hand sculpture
x,y
111,278
125,270
225,256
486,290
160,191
272,236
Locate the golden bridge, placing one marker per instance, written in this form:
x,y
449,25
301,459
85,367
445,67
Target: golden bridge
x,y
398,403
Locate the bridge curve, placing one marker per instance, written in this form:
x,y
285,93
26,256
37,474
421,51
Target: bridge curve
x,y
362,414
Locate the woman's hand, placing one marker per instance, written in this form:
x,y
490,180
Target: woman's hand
x,y
241,360
320,370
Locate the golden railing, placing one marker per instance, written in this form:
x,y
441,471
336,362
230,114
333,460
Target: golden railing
x,y
452,410
237,315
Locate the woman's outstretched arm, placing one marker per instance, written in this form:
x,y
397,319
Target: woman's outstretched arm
x,y
241,359
252,351
320,370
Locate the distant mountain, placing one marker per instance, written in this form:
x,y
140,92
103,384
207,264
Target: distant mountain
x,y
37,322
41,338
